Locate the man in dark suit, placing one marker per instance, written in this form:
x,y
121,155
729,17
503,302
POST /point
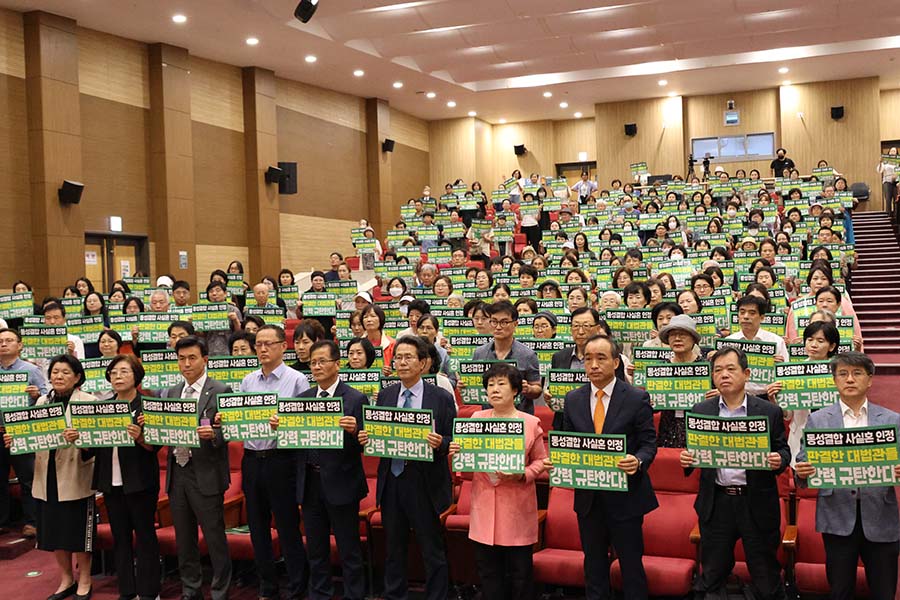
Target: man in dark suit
x,y
608,405
585,321
330,484
413,494
740,504
196,478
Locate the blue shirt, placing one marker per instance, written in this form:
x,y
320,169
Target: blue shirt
x,y
418,392
284,380
732,476
35,377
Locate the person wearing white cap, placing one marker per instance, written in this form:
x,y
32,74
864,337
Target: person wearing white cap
x,y
164,281
681,336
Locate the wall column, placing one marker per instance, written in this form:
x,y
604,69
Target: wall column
x,y
261,151
378,127
172,163
54,148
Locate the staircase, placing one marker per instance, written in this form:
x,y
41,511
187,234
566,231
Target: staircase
x,y
876,288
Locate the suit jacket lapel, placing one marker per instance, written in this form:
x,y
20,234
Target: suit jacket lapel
x,y
614,406
204,399
586,409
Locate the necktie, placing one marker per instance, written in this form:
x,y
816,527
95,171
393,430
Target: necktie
x,y
599,413
183,453
312,458
398,464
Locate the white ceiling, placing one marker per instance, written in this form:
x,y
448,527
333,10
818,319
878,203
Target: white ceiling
x,y
497,57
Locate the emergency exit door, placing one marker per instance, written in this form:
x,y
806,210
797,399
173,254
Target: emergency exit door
x,y
108,258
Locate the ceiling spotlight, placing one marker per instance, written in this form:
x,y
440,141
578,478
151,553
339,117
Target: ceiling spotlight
x,y
663,82
430,95
306,9
451,104
672,94
786,82
252,41
310,59
502,121
472,113
564,104
783,70
578,115
358,73
179,19
548,94
398,85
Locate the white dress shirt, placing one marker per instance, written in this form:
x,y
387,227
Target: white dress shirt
x,y
756,388
855,420
732,476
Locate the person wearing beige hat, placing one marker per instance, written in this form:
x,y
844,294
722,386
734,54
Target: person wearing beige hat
x,y
680,334
748,244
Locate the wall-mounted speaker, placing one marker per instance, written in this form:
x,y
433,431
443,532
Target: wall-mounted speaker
x,y
70,192
305,10
274,175
287,185
631,129
520,149
837,112
387,145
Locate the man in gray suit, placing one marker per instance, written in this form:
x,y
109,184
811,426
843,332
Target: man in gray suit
x,y
196,478
863,522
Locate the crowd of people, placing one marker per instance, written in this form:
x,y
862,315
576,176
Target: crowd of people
x,y
483,275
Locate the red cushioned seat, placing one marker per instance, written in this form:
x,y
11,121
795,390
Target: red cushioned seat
x,y
561,560
352,262
460,550
289,326
545,414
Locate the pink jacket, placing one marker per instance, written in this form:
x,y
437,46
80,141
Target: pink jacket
x,y
506,514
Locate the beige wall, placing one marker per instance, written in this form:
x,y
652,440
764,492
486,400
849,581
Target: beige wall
x,y
306,242
219,191
538,139
452,156
890,114
572,137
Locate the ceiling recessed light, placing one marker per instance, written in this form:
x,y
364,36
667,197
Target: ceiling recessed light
x,y
451,104
548,94
252,41
310,58
502,121
786,82
578,115
398,85
663,82
672,94
179,19
430,95
564,104
783,70
358,73
472,113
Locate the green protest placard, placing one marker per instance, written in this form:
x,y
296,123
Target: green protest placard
x,y
154,327
454,231
439,255
853,457
845,325
707,327
235,284
677,386
170,421
35,428
318,304
718,306
760,356
586,461
771,322
805,385
309,423
123,324
291,293
629,324
463,348
562,381
95,375
16,306
638,169
231,370
138,284
210,317
489,445
43,341
469,373
453,326
246,416
160,369
728,442
101,424
544,348
645,356
12,390
365,381
271,314
398,432
341,288
87,329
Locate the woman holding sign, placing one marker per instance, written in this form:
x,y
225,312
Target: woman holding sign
x,y
504,538
63,490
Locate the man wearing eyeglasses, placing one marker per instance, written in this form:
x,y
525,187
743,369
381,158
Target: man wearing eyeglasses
x,y
330,484
270,475
503,319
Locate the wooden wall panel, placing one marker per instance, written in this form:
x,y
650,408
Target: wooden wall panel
x,y
211,257
452,143
704,117
538,139
850,145
306,242
217,96
115,147
12,44
326,105
409,174
113,68
331,167
219,189
15,191
571,137
484,151
409,130
659,140
889,114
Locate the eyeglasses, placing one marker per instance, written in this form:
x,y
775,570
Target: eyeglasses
x,y
120,373
320,363
582,326
405,358
267,344
503,323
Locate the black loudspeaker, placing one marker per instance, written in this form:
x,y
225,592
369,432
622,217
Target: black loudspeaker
x,y
274,175
70,192
520,149
287,185
837,112
387,145
631,129
306,9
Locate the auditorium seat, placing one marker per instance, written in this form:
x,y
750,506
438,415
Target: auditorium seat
x,y
670,559
460,550
352,262
289,326
560,561
545,414
519,243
